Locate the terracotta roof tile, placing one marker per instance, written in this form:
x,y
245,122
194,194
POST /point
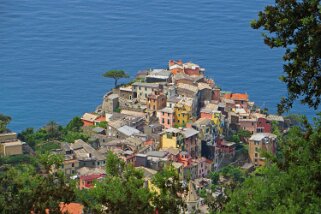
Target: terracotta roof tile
x,y
236,96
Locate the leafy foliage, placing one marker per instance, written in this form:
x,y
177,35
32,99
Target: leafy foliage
x,y
49,137
116,75
75,125
121,191
291,184
23,189
168,201
4,121
296,26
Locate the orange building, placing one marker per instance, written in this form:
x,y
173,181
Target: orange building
x,y
176,67
90,119
239,99
184,158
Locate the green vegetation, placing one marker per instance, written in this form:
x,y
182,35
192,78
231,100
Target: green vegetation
x,y
118,110
17,159
49,137
116,75
239,136
4,121
295,26
23,189
289,183
168,201
124,190
102,124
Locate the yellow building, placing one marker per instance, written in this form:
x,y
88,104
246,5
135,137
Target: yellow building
x,y
182,114
148,176
217,118
169,138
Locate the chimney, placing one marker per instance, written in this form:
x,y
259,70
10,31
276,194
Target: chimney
x,y
180,62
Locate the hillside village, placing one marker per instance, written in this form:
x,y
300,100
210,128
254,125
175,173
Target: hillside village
x,y
175,116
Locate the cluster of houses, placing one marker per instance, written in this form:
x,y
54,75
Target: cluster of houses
x,y
174,116
171,116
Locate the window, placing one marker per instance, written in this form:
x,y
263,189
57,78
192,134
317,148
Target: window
x,y
163,113
168,121
72,165
162,120
256,154
169,135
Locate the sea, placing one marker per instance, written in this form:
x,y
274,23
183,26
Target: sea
x,y
53,53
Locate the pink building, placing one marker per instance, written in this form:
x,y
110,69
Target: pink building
x,y
166,117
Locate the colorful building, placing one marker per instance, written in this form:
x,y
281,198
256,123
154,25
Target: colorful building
x,y
90,119
182,113
185,139
88,181
166,117
241,99
211,112
156,101
259,143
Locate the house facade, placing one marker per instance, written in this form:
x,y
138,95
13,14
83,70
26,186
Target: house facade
x,y
259,143
166,117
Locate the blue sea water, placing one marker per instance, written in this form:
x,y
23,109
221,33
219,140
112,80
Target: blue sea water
x,y
53,53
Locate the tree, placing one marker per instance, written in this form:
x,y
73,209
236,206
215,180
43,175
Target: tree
x,y
168,200
75,125
121,191
71,136
116,75
53,130
23,189
291,184
296,26
4,121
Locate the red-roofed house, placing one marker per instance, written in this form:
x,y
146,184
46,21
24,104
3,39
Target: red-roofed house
x,y
90,119
87,181
241,99
176,67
